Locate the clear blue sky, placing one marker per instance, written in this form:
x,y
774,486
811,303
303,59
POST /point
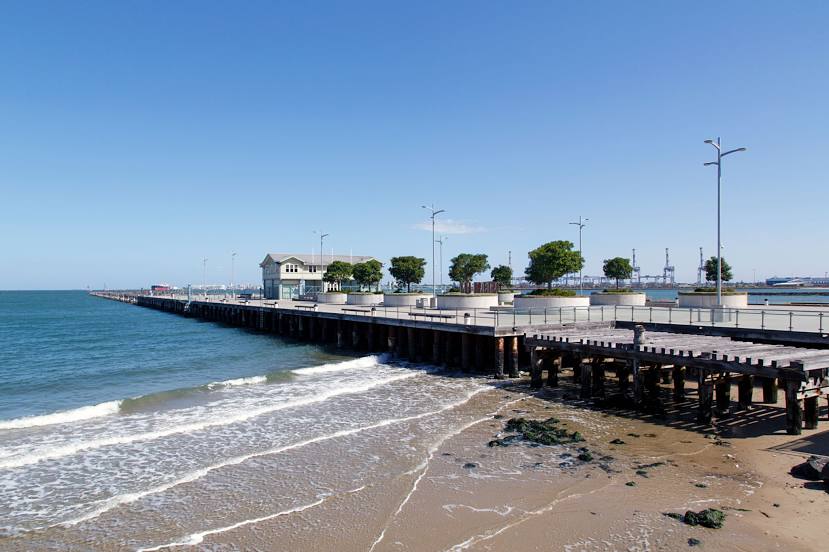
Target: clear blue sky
x,y
138,137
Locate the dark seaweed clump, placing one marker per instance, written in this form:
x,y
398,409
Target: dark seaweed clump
x,y
542,432
710,517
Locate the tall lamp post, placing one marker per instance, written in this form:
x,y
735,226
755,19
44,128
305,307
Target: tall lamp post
x,y
322,237
440,243
718,163
435,212
204,276
232,273
581,224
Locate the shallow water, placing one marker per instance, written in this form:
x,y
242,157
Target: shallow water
x,y
130,428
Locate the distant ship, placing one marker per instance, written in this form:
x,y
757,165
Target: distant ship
x,y
796,281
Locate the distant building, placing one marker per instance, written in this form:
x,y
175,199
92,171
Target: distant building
x,y
160,288
289,275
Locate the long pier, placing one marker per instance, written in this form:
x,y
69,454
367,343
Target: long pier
x,y
714,357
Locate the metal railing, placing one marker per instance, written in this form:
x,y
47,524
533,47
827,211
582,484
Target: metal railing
x,y
769,318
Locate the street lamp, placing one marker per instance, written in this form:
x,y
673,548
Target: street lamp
x,y
718,163
204,277
435,212
440,242
232,272
322,237
581,224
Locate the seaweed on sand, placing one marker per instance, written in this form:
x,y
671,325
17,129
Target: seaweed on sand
x,y
542,432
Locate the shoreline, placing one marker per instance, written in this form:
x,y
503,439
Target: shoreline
x,y
468,496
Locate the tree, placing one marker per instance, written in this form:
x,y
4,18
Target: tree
x,y
465,266
502,275
711,270
407,270
618,268
551,261
338,272
368,273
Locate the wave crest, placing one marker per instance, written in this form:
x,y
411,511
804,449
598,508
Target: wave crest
x,y
65,416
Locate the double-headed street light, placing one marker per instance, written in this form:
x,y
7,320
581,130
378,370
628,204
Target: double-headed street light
x,y
435,212
718,163
440,241
581,224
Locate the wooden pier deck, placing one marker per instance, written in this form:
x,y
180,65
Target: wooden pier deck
x,y
714,361
714,357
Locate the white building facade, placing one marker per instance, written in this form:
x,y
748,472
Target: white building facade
x,y
291,275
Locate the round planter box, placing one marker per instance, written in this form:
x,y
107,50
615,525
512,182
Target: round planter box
x,y
364,299
524,302
331,298
708,300
467,302
505,297
404,299
627,299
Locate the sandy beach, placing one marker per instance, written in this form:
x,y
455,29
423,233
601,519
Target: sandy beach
x,y
469,496
432,481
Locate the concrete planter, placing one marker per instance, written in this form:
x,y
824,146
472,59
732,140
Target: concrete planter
x,y
505,297
364,299
467,301
404,299
708,300
331,298
626,299
524,302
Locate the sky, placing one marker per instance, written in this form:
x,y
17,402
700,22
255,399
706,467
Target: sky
x,y
138,138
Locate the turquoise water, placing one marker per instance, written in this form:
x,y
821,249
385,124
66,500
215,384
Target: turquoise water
x,y
123,427
61,350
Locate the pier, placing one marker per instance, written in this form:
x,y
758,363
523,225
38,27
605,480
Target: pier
x,y
589,345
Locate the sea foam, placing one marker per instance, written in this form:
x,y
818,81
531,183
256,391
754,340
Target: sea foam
x,y
65,416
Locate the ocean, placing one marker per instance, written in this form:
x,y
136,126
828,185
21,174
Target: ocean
x,y
128,428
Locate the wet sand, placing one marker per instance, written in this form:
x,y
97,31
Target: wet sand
x,y
469,496
433,483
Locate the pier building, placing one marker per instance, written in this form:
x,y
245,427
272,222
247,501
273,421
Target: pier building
x,y
291,275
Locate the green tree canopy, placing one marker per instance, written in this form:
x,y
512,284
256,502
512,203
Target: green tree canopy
x,y
711,270
368,273
551,261
407,270
338,272
618,268
465,266
502,275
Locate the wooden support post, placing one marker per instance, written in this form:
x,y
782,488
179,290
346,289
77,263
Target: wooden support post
x,y
391,341
449,349
312,329
585,376
411,338
770,390
623,375
436,346
598,378
745,389
553,364
535,369
513,364
638,393
292,324
372,344
652,382
340,339
499,357
667,376
794,408
466,352
723,388
706,396
679,383
355,335
810,412
478,341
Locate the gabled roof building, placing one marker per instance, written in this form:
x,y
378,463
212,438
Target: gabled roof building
x,y
290,275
